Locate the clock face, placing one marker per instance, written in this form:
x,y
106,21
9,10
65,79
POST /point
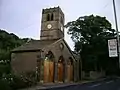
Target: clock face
x,y
61,28
49,26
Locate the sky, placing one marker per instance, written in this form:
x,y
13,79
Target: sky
x,y
23,17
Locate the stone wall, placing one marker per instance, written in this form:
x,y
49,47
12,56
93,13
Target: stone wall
x,y
24,62
92,74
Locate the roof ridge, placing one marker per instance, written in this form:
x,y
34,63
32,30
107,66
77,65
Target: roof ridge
x,y
69,49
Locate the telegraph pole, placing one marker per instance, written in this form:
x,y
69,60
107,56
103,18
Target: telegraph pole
x,y
118,40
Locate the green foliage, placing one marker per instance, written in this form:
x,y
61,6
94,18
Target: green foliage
x,y
4,85
29,78
88,29
14,82
90,34
9,41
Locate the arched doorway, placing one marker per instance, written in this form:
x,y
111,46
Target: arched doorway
x,y
61,69
49,67
70,69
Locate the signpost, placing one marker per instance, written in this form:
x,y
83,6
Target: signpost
x,y
118,41
112,47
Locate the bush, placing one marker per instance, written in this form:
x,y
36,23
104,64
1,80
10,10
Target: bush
x,y
17,83
14,82
29,78
4,85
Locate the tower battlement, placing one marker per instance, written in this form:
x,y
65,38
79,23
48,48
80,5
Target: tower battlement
x,y
54,9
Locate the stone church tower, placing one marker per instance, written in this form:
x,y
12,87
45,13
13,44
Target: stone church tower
x,y
52,24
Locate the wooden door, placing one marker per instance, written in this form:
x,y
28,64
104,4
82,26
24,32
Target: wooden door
x,y
70,72
51,71
60,72
48,71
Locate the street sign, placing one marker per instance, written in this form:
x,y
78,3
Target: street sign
x,y
112,47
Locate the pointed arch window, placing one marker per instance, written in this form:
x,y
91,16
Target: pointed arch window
x,y
49,56
61,59
48,17
61,69
70,61
62,20
52,17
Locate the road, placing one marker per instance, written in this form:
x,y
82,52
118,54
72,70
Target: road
x,y
109,84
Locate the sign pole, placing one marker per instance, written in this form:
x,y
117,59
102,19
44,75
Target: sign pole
x,y
118,41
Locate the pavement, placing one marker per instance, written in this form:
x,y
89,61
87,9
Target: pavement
x,y
100,84
106,84
48,86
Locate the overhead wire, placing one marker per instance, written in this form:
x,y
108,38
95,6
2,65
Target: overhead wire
x,y
105,6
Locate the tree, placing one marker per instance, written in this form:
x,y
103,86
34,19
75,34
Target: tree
x,y
90,35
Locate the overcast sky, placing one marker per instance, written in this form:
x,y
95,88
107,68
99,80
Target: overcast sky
x,y
23,17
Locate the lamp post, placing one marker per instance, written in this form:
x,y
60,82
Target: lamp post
x,y
118,41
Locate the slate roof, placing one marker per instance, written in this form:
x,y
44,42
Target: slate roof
x,y
37,45
34,45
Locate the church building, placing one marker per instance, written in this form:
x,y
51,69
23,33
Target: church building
x,y
50,57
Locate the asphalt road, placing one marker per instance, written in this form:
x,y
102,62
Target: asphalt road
x,y
108,84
